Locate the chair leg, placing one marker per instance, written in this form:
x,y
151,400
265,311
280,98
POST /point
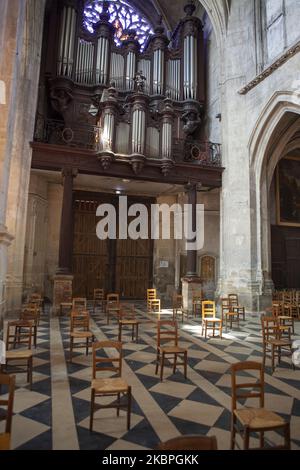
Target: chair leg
x,y
273,358
264,356
30,367
262,440
87,347
175,363
162,363
71,349
92,409
129,408
157,362
35,336
118,407
185,365
246,438
137,333
233,432
132,333
120,332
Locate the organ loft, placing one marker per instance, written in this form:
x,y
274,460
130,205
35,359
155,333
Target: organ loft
x,y
121,97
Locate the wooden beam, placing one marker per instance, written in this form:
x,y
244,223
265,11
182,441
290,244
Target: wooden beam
x,y
55,158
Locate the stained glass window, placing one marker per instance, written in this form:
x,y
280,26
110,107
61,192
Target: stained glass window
x,y
122,16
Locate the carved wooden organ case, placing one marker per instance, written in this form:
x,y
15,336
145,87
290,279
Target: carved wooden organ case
x,y
123,100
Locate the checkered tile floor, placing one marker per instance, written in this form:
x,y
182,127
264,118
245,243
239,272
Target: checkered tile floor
x,y
55,414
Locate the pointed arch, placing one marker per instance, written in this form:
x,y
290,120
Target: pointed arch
x,y
275,127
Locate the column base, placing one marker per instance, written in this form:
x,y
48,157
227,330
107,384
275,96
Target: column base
x,y
5,241
62,290
190,286
252,295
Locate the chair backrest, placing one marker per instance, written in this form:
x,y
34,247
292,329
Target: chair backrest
x,y
79,303
277,309
233,300
247,389
98,294
208,309
177,301
113,298
35,299
127,312
19,332
167,331
105,363
190,443
29,313
270,328
9,381
80,320
151,294
225,304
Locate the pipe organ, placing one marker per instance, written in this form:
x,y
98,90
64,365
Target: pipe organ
x,y
104,77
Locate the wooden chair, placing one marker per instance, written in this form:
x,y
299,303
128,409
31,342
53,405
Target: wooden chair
x,y
209,319
78,304
190,443
178,307
4,441
112,306
234,304
228,314
13,340
128,318
167,332
109,387
151,295
98,299
253,420
272,341
6,410
197,304
31,314
80,329
286,323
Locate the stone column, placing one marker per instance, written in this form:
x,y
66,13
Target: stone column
x,y
63,279
66,225
191,282
20,56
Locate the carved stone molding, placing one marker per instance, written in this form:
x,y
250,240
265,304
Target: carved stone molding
x,y
5,237
106,157
137,162
269,70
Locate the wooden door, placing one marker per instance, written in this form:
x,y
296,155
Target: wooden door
x,y
133,268
286,257
90,255
123,266
293,262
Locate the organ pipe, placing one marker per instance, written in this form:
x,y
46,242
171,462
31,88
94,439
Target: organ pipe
x,y
190,68
158,72
84,62
130,70
66,41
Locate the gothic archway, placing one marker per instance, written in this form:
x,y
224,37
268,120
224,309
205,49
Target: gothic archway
x,y
272,136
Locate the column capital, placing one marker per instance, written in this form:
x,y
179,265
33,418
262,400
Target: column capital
x,y
69,172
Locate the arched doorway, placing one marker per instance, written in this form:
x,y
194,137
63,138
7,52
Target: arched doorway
x,y
275,137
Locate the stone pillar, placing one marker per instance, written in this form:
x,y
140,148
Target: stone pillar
x,y
20,56
66,224
191,282
63,279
